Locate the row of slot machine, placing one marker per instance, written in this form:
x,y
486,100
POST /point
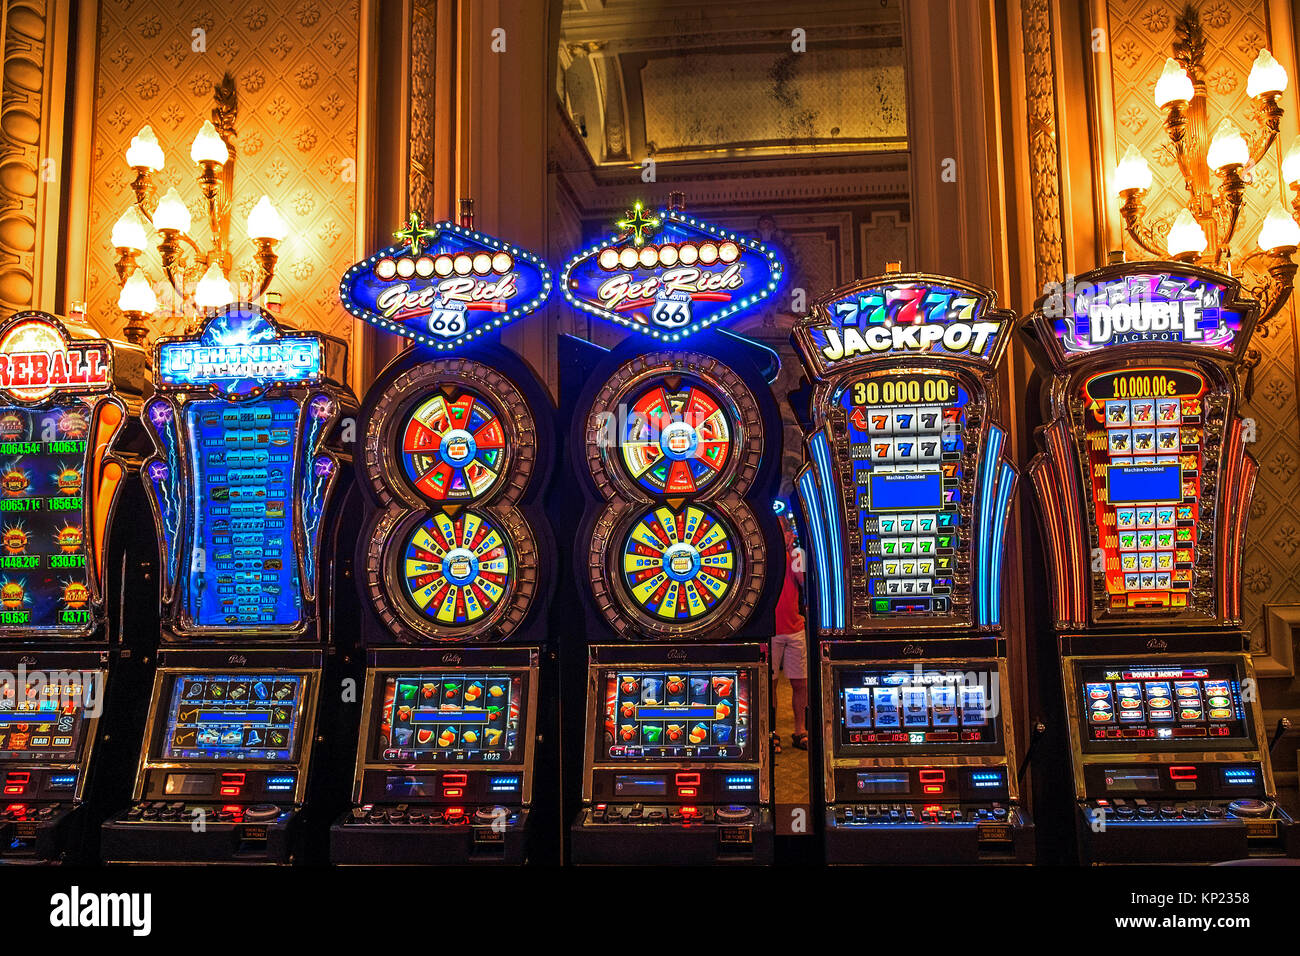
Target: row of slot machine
x,y
450,623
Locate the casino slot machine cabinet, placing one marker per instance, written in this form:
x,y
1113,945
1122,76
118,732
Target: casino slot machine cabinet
x,y
245,423
456,438
66,400
1143,486
905,498
675,442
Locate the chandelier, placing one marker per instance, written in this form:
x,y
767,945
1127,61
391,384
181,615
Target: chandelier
x,y
1218,167
169,221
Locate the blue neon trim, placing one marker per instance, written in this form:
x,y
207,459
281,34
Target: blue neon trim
x,y
835,534
1007,479
811,508
988,479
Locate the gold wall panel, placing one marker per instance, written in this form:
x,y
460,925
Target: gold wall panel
x,y
1141,35
295,66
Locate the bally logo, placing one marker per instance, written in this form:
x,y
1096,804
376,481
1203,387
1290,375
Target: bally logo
x,y
451,657
74,909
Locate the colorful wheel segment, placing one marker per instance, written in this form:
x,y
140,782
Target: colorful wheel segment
x,y
453,447
677,439
679,564
457,570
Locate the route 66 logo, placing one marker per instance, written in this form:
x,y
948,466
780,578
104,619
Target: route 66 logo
x,y
448,320
672,311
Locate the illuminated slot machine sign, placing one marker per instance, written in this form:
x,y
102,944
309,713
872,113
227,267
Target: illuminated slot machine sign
x,y
674,437
906,490
59,479
450,442
241,473
1143,479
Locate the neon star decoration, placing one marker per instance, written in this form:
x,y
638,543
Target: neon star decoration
x,y
415,234
639,224
445,286
695,275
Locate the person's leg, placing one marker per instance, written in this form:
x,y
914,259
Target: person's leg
x,y
799,700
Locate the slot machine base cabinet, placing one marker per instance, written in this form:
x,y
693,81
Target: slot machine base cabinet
x,y
38,832
445,762
414,834
1170,762
917,832
678,764
649,833
225,758
1183,831
919,754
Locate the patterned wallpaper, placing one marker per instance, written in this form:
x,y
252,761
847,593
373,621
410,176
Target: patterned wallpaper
x,y
1141,34
22,93
295,68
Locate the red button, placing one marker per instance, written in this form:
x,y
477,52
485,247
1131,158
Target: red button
x,y
933,776
1182,773
455,779
686,791
688,780
453,792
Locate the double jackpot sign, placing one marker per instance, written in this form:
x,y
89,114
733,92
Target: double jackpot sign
x,y
906,491
59,479
1143,479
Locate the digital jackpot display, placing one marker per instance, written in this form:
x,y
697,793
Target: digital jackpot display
x,y
235,716
1145,436
906,489
58,478
689,714
450,717
907,435
1143,461
1153,703
902,708
241,473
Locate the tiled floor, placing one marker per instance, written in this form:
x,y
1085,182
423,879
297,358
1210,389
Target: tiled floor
x,y
791,777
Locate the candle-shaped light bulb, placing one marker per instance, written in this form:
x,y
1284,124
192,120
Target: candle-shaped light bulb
x,y
144,151
137,295
1279,230
213,290
172,213
1132,171
1185,236
1266,76
1174,86
1227,147
265,223
208,146
129,231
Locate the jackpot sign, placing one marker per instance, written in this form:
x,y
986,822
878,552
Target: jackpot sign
x,y
239,353
902,318
669,275
445,285
38,359
1159,307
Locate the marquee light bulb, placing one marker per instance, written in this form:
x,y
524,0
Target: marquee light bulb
x,y
1174,86
1186,236
1132,171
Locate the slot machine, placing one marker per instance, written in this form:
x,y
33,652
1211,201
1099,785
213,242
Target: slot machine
x,y
905,497
676,444
456,439
244,422
66,398
1143,486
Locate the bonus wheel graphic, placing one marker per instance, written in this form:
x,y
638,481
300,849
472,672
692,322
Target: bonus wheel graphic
x,y
453,446
679,565
456,570
678,436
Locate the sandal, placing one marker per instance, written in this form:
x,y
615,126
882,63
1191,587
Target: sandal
x,y
800,741
776,743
